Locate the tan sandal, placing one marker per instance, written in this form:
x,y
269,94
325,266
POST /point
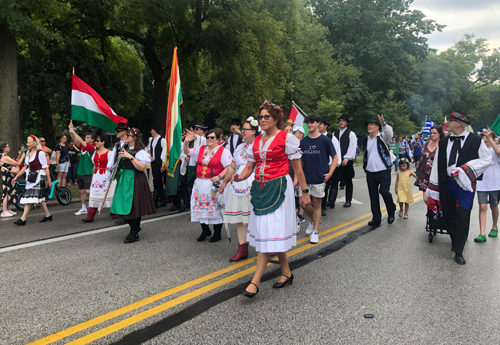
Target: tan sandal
x,y
405,217
400,214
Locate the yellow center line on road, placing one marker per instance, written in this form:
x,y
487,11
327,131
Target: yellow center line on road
x,y
181,299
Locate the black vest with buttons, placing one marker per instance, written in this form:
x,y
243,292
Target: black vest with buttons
x,y
468,152
344,141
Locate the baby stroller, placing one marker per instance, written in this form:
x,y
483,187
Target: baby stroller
x,y
435,222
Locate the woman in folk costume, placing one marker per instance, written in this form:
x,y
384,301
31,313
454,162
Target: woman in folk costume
x,y
103,165
272,226
7,167
238,206
37,179
213,161
132,199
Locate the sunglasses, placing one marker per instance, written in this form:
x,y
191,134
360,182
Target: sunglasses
x,y
42,141
119,130
265,117
99,141
245,129
210,137
130,135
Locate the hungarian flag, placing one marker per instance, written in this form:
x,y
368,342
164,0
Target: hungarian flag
x,y
174,129
445,127
89,107
297,118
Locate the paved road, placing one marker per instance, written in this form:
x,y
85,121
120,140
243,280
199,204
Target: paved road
x,y
66,282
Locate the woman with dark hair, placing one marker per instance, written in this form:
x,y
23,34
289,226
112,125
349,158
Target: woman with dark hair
x,y
37,179
429,151
9,195
62,160
238,206
103,160
212,164
73,163
132,198
272,226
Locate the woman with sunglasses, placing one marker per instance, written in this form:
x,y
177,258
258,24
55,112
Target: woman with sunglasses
x,y
132,199
7,164
238,204
103,160
272,226
37,179
212,164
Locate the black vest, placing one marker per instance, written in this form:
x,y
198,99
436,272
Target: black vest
x,y
382,149
230,142
157,150
344,141
469,151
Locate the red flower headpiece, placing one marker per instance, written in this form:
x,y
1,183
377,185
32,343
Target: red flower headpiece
x,y
134,130
267,103
33,137
460,115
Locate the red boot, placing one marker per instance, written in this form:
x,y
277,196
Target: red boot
x,y
242,253
90,215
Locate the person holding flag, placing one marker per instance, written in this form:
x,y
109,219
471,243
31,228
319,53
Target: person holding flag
x,y
133,198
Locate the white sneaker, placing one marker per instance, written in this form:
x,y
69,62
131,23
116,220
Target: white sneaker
x,y
310,228
82,211
298,226
6,215
314,237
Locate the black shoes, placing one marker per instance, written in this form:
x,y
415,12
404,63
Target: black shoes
x,y
390,218
204,235
49,218
216,237
459,259
372,223
132,237
20,222
330,204
323,212
279,285
184,208
250,294
161,204
174,208
120,221
347,204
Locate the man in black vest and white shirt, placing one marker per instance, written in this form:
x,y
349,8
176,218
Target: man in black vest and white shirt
x,y
377,164
156,148
461,158
235,138
348,142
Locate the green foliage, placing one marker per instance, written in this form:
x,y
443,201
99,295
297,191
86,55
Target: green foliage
x,y
396,114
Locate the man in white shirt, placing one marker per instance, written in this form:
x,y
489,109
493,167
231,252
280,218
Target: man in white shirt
x,y
377,164
156,148
235,138
348,142
460,160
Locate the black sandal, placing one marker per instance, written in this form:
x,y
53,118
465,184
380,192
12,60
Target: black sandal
x,y
250,294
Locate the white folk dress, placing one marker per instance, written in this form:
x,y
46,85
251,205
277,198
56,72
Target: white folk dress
x,y
34,193
100,181
276,232
204,208
238,206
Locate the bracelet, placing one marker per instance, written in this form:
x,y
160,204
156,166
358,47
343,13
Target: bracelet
x,y
220,177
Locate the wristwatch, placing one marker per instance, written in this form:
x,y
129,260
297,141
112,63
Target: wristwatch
x,y
220,177
132,158
305,190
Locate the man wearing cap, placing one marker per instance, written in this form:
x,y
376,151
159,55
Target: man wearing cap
x,y
85,167
188,166
235,138
156,148
348,142
377,164
460,160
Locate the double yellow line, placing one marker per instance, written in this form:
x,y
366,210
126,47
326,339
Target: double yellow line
x,y
352,224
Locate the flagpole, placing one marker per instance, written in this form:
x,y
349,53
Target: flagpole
x,y
302,111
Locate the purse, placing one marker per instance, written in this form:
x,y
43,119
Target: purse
x,y
32,176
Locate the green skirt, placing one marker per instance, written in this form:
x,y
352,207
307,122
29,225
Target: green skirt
x,y
268,199
124,193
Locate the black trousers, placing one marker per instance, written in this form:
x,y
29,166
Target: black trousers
x,y
457,220
380,182
159,191
185,191
347,173
135,224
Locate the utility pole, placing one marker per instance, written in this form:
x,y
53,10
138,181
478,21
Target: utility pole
x,y
291,75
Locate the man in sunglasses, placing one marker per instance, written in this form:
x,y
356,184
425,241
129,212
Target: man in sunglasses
x,y
45,149
85,167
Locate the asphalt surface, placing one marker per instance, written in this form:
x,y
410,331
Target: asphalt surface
x,y
60,274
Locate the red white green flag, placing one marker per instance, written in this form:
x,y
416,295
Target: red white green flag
x,y
297,118
174,129
89,107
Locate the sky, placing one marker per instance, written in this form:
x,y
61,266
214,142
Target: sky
x,y
479,17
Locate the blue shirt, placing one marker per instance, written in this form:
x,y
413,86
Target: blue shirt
x,y
417,151
316,158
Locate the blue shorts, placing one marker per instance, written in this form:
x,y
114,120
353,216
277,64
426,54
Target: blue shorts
x,y
63,167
